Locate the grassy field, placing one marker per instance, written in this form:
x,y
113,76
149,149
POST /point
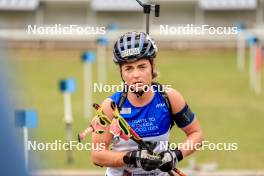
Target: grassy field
x,y
227,109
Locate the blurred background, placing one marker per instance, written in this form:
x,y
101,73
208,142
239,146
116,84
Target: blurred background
x,y
220,75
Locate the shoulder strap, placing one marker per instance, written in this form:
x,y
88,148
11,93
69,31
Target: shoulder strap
x,y
122,98
166,99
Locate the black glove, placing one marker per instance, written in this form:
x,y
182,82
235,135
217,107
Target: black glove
x,y
169,159
142,159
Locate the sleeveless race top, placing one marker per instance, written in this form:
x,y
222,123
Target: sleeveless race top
x,y
151,122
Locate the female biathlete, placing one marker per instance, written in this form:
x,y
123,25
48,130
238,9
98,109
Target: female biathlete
x,y
150,112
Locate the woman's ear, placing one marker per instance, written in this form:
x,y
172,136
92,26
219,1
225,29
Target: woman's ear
x,y
154,70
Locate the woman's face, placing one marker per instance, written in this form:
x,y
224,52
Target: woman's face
x,y
138,73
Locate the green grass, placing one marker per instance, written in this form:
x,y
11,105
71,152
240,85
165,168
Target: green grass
x,y
226,107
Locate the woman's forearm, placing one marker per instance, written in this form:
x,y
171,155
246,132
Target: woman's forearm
x,y
108,158
193,141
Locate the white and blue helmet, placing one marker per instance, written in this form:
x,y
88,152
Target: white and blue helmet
x,y
133,46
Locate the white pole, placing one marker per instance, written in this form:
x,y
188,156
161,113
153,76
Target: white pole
x,y
87,90
68,123
67,108
25,129
101,68
252,63
241,43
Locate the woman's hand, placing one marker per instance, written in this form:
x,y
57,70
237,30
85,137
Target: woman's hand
x,y
170,159
142,159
